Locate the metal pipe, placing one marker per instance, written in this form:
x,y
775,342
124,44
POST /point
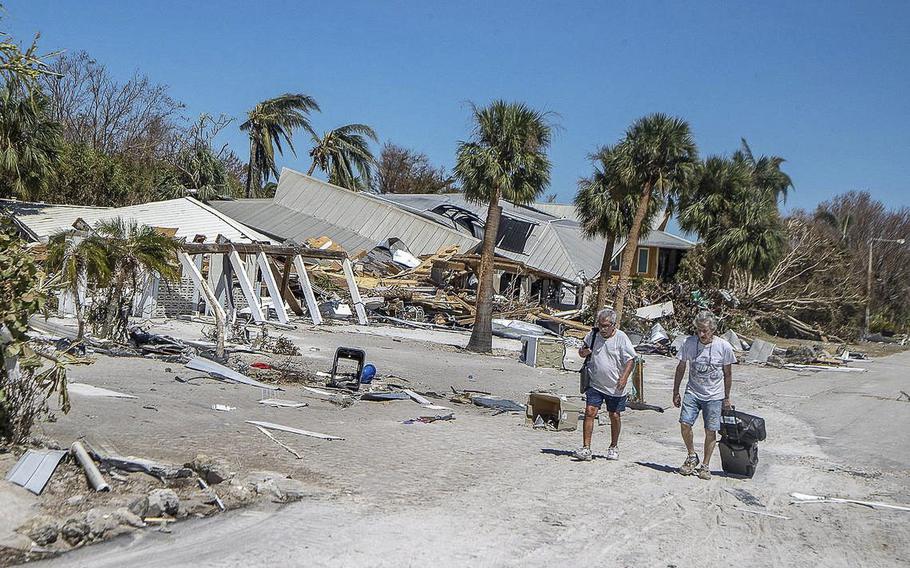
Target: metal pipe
x,y
91,471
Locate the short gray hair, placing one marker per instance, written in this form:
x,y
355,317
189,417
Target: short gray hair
x,y
707,317
607,314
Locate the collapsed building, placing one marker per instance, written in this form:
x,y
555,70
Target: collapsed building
x,y
425,248
541,255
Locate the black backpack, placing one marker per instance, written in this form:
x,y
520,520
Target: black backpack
x,y
741,428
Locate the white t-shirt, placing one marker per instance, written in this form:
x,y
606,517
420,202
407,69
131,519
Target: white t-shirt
x,y
608,358
706,366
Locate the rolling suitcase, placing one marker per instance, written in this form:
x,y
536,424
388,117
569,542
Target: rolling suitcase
x,y
738,459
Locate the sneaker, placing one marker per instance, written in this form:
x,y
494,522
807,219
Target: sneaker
x,y
584,454
613,453
703,472
688,467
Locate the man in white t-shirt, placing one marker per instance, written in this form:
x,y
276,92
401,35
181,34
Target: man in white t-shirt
x,y
707,390
612,357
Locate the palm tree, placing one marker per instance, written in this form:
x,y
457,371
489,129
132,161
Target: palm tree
x,y
732,205
657,158
268,123
131,250
505,159
709,206
78,262
30,142
604,210
341,152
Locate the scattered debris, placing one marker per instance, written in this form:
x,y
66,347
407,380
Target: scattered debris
x,y
91,471
341,399
34,469
384,396
430,419
502,404
798,367
281,403
205,487
554,410
804,498
134,464
272,426
744,496
82,389
762,513
655,311
221,372
760,351
280,443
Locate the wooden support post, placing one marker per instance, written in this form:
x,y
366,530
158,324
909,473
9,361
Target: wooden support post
x,y
274,294
246,286
355,293
292,301
308,294
200,282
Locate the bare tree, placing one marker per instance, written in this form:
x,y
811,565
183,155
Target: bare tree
x,y
137,118
401,170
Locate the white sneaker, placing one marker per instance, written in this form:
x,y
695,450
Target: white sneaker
x,y
613,453
584,454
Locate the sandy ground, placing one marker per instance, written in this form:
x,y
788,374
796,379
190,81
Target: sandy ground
x,y
487,490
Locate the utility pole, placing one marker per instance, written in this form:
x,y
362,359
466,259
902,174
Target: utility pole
x,y
869,278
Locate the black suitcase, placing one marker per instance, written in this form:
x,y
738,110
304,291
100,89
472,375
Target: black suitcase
x,y
738,459
741,428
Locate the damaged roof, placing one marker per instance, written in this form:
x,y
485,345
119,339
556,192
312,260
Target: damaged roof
x,y
305,207
187,215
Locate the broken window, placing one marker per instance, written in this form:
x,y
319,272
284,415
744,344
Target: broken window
x,y
513,234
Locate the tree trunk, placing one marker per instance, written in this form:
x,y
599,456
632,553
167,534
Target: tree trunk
x,y
708,275
249,172
310,171
631,251
604,281
482,334
80,318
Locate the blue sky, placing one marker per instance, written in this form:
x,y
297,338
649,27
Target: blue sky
x,y
824,84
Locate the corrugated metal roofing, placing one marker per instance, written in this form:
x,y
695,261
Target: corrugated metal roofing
x,y
188,216
306,207
373,219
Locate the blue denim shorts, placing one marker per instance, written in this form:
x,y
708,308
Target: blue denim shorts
x,y
594,397
710,411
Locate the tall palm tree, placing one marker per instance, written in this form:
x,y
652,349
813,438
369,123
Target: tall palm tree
x,y
30,143
657,158
604,209
341,152
505,159
268,123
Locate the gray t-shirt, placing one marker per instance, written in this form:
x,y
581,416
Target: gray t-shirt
x,y
608,358
706,366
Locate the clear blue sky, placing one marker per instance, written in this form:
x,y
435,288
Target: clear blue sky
x,y
824,84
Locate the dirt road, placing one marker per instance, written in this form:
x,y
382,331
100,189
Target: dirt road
x,y
486,490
